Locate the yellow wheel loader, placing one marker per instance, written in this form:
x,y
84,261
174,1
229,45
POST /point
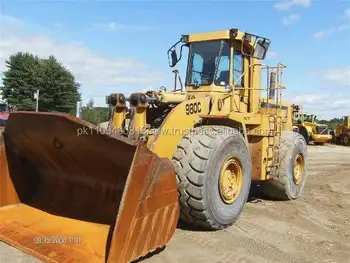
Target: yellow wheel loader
x,y
312,131
341,135
75,192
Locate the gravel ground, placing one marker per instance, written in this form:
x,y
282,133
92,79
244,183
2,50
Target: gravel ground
x,y
314,228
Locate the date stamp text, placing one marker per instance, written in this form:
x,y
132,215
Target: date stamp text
x,y
57,240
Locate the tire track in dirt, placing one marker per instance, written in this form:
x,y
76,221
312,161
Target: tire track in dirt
x,y
310,229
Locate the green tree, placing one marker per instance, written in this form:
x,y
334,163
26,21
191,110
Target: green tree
x,y
19,81
58,89
26,73
333,123
94,115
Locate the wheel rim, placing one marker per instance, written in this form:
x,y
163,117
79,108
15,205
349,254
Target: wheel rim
x,y
346,140
298,170
231,180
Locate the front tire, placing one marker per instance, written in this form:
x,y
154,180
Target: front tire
x,y
303,131
338,140
292,172
210,199
333,136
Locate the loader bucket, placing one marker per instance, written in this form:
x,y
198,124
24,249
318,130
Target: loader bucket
x,y
69,193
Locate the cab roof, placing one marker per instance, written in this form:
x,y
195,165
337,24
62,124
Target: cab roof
x,y
233,33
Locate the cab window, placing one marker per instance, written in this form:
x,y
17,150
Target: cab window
x,y
238,68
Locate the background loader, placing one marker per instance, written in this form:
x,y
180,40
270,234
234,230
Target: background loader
x,y
4,113
341,135
312,131
114,194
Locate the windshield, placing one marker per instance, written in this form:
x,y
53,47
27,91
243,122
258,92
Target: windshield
x,y
3,108
205,64
308,118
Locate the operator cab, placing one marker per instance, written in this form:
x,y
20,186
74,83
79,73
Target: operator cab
x,y
309,118
216,60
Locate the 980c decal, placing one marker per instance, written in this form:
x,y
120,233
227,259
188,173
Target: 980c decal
x,y
193,108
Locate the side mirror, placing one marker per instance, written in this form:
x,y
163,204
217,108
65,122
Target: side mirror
x,y
261,48
259,44
172,54
174,58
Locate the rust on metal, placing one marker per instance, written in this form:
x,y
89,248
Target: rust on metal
x,y
8,195
71,194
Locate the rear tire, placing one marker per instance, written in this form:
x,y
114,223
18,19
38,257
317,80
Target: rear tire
x,y
198,160
346,139
288,186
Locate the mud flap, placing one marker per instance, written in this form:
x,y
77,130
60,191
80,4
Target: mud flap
x,y
69,193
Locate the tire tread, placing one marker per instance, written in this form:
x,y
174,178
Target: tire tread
x,y
280,189
195,155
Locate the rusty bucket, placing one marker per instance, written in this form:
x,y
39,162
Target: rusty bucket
x,y
70,193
